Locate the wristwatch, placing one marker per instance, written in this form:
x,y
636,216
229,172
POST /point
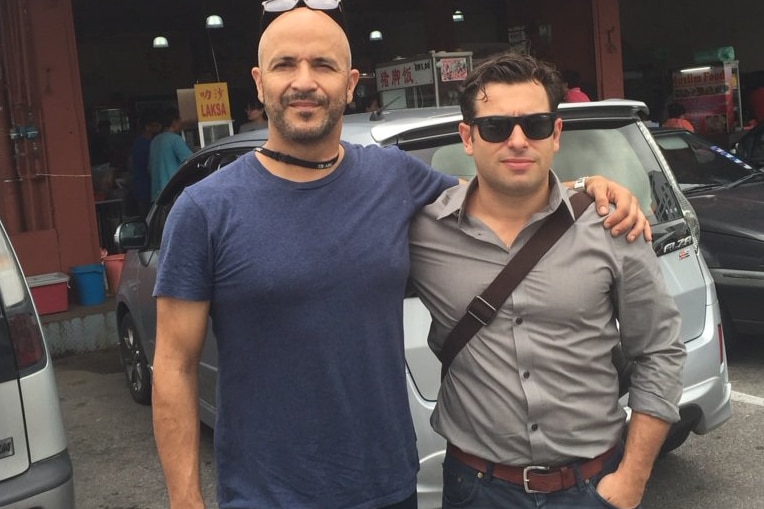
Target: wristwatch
x,y
580,184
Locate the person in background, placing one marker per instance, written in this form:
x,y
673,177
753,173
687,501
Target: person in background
x,y
676,117
150,126
297,254
530,405
167,151
572,87
256,117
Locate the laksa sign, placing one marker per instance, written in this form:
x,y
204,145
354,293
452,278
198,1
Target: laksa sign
x,y
212,103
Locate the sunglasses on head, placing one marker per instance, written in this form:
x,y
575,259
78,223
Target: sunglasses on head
x,y
273,8
496,129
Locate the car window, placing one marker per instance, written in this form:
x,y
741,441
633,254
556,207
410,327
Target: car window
x,y
617,151
194,170
695,161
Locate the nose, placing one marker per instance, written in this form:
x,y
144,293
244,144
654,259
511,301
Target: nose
x,y
517,137
304,79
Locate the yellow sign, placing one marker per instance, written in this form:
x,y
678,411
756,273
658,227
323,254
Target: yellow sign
x,y
212,102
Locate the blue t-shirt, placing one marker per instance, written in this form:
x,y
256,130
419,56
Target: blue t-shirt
x,y
166,153
306,283
141,176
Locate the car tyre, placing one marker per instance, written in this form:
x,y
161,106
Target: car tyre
x,y
134,361
675,439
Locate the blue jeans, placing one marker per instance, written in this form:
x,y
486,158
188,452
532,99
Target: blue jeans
x,y
464,488
409,503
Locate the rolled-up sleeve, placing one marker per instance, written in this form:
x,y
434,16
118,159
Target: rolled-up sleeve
x,y
650,326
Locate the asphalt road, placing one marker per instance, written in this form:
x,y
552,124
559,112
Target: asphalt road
x,y
116,466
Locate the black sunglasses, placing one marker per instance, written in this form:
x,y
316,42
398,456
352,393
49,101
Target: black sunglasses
x,y
272,9
496,129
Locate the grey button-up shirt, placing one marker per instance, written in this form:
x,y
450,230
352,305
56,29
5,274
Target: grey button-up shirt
x,y
537,385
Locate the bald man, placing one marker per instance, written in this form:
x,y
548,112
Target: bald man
x,y
299,254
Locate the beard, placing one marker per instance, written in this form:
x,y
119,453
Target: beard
x,y
305,131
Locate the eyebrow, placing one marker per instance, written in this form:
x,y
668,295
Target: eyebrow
x,y
313,61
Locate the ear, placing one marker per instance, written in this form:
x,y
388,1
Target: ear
x,y
465,133
556,134
353,78
258,77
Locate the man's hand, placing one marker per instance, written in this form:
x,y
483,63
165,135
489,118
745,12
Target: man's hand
x,y
627,216
619,491
625,487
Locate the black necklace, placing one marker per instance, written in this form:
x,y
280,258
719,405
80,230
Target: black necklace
x,y
284,158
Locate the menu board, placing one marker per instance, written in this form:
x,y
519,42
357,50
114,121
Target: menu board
x,y
711,97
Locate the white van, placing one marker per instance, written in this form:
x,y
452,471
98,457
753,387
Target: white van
x,y
35,469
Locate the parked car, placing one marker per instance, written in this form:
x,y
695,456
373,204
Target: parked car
x,y
599,138
727,194
750,146
35,469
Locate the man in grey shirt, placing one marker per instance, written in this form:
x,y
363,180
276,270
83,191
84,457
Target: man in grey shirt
x,y
531,403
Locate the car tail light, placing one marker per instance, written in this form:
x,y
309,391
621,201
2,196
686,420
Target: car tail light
x,y
27,341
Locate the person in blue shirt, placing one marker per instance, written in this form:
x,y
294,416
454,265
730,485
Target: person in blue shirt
x,y
149,125
167,152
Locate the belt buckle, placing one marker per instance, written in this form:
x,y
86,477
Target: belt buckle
x,y
528,469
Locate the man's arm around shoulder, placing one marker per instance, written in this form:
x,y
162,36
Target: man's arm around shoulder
x,y
181,329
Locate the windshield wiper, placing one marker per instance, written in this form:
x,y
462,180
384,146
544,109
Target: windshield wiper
x,y
697,188
759,175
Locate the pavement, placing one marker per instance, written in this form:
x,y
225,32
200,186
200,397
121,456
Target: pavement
x,y
110,437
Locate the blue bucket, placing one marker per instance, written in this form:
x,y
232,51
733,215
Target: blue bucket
x,y
89,283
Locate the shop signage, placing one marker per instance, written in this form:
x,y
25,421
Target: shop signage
x,y
212,102
407,74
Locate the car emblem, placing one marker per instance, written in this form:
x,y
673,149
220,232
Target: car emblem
x,y
684,253
6,447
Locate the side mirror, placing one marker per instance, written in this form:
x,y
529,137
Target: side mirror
x,y
131,235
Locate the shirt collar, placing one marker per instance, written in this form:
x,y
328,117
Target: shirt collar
x,y
453,201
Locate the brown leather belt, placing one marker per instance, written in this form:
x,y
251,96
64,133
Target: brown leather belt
x,y
535,479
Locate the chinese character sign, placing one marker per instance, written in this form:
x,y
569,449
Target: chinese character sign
x,y
212,102
404,75
453,69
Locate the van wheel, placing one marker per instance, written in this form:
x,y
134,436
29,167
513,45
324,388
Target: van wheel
x,y
134,361
674,440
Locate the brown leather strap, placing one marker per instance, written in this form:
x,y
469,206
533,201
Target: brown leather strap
x,y
534,479
484,307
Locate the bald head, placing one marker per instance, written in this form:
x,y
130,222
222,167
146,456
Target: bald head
x,y
305,24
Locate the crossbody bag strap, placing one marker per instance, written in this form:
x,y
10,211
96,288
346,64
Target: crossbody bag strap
x,y
484,307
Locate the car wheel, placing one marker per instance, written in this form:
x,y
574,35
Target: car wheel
x,y
675,439
134,361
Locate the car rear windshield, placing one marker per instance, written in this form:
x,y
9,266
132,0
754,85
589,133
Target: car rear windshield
x,y
616,149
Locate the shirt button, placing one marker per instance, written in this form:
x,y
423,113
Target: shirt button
x,y
518,320
526,375
534,427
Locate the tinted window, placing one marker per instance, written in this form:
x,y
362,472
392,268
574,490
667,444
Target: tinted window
x,y
191,172
695,161
617,150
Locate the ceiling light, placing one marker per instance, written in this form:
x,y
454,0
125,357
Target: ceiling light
x,y
696,69
458,16
214,21
160,42
375,35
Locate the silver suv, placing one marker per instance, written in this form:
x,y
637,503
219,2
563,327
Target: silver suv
x,y
603,138
35,469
